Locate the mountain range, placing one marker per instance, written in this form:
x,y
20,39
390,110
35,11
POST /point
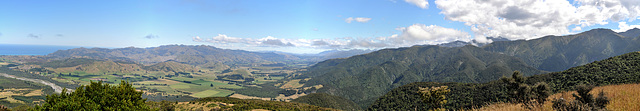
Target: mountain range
x,y
200,55
363,78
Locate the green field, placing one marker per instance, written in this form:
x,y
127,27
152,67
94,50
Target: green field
x,y
213,93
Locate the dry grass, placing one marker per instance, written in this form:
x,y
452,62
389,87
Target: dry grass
x,y
186,106
625,97
279,97
292,84
7,93
501,107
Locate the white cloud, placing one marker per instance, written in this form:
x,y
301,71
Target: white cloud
x,y
420,3
527,19
576,29
357,19
432,34
623,26
417,34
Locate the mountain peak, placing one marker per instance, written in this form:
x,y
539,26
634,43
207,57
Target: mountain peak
x,y
598,30
631,33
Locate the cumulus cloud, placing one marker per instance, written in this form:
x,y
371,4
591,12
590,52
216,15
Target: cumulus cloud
x,y
432,34
357,19
420,3
623,26
417,34
527,19
266,41
151,36
33,36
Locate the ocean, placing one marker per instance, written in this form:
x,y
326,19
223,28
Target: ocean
x,y
14,49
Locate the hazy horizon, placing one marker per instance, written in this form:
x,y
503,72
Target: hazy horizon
x,y
302,26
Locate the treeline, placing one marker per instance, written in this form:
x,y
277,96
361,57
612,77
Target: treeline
x,y
615,70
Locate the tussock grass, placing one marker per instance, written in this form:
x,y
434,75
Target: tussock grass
x,y
624,97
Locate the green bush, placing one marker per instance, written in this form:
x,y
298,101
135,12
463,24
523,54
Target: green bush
x,y
97,96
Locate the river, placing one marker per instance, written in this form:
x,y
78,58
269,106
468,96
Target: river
x,y
55,87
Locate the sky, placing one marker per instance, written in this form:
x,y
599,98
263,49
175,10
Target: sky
x,y
302,26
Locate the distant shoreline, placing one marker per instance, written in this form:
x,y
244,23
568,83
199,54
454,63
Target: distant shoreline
x,y
18,49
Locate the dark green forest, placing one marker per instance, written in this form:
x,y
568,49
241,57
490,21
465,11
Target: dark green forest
x,y
328,101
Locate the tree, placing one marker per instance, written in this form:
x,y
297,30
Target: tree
x,y
434,97
97,96
530,96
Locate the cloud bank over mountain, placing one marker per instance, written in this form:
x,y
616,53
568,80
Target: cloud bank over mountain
x,y
411,35
528,19
511,19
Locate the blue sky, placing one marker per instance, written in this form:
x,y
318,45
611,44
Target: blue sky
x,y
301,26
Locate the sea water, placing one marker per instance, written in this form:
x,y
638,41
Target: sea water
x,y
14,49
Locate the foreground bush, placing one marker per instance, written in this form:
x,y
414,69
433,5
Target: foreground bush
x,y
97,96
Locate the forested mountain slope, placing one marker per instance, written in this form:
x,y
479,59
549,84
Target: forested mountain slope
x,y
621,69
557,53
364,78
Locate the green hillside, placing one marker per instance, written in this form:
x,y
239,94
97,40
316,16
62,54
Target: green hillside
x,y
171,66
615,70
329,101
364,78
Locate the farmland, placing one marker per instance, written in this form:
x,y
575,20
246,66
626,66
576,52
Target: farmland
x,y
167,78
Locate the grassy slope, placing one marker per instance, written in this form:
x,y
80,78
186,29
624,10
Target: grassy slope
x,y
622,97
227,103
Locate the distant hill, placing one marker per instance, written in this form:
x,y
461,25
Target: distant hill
x,y
328,101
623,69
193,55
200,55
171,66
363,78
557,53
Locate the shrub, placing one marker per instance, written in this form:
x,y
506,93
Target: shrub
x,y
583,101
97,96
